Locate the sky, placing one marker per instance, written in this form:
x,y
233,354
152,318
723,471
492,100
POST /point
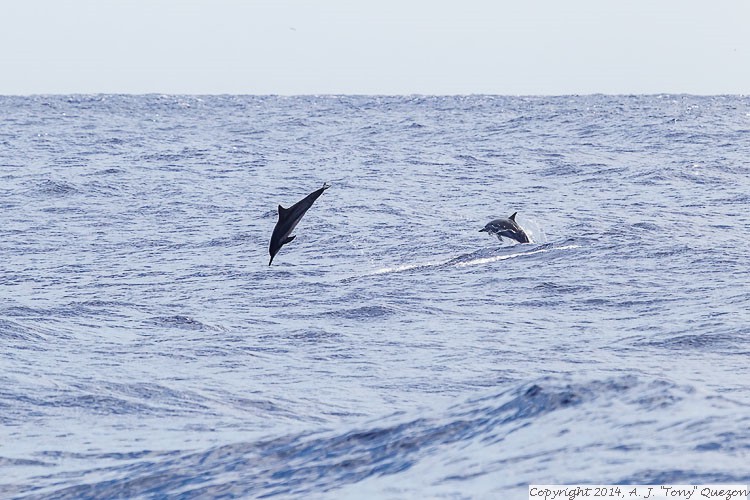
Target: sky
x,y
290,47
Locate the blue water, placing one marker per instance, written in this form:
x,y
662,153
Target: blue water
x,y
392,350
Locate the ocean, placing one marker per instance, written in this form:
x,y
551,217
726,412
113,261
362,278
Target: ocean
x,y
392,350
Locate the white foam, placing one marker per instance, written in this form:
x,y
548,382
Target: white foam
x,y
473,262
407,267
487,260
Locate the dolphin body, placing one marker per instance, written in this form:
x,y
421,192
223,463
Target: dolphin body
x,y
508,228
288,220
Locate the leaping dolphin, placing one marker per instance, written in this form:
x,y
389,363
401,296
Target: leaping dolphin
x,y
288,220
508,228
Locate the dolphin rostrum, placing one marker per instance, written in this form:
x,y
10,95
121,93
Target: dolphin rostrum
x,y
508,228
288,220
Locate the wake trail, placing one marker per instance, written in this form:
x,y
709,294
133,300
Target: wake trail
x,y
487,260
467,260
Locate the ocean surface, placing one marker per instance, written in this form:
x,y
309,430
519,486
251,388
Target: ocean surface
x,y
391,350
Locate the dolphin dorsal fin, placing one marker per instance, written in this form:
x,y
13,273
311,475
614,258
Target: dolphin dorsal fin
x,y
512,217
282,210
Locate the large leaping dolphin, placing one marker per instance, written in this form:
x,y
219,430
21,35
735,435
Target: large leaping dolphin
x,y
506,227
288,220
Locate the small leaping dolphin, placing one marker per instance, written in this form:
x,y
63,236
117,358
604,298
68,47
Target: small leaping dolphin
x,y
288,220
508,228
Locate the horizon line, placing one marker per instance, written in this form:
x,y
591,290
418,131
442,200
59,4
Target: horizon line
x,y
357,94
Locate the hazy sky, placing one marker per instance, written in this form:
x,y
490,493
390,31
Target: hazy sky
x,y
375,47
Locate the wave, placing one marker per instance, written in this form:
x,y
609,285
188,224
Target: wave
x,y
179,322
480,257
520,431
51,187
28,337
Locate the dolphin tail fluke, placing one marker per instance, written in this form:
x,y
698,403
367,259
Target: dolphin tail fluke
x,y
269,262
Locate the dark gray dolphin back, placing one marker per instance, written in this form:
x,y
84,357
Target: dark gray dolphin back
x,y
288,220
508,228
